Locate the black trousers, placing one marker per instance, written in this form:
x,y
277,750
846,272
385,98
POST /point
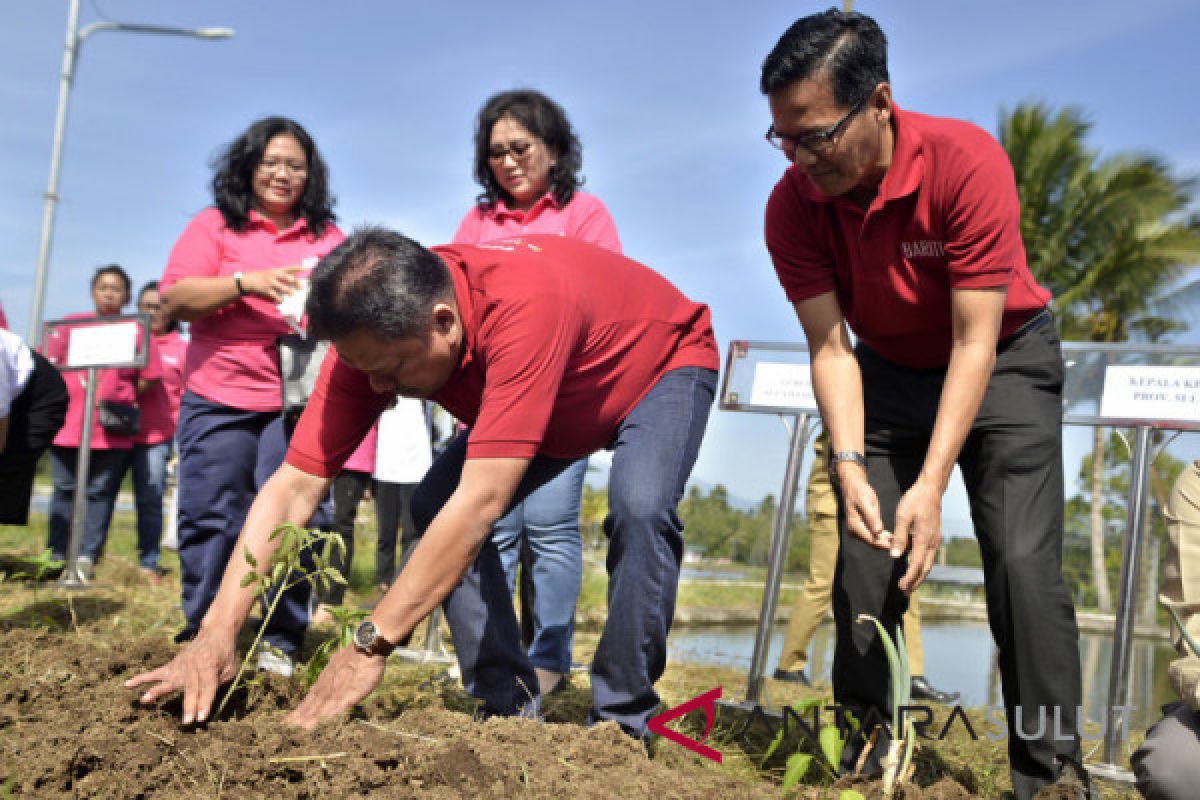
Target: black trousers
x,y
1012,467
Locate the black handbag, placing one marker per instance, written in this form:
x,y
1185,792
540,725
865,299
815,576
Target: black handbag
x,y
300,360
119,419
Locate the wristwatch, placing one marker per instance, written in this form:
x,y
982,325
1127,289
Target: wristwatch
x,y
845,455
237,281
368,640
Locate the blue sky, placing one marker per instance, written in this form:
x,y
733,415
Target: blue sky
x,y
664,95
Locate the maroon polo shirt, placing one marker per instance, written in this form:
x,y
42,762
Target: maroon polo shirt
x,y
946,217
563,339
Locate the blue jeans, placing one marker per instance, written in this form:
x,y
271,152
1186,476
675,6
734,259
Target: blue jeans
x,y
654,450
225,456
149,484
548,520
105,470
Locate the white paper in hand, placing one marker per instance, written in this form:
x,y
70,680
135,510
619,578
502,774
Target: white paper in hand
x,y
292,306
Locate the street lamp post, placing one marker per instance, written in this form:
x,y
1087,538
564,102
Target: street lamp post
x,y
70,59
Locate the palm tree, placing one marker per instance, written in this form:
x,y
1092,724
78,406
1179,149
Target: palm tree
x,y
1105,236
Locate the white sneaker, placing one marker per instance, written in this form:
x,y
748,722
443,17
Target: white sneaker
x,y
272,660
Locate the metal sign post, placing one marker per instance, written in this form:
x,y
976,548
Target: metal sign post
x,y
772,378
1148,388
92,344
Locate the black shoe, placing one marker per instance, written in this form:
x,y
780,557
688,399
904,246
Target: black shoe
x,y
922,690
792,676
1073,780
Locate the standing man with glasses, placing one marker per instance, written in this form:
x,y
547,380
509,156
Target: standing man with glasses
x,y
905,229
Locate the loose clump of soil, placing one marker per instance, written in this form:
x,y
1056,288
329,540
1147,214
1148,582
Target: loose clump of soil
x,y
68,729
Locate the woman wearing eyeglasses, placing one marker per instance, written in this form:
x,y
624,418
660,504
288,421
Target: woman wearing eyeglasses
x,y
528,161
272,219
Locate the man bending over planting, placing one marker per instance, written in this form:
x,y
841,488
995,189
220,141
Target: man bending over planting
x,y
550,349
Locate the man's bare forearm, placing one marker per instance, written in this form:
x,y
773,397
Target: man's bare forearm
x,y
962,394
837,384
290,495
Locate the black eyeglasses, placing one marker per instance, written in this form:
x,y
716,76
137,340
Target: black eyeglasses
x,y
519,150
818,143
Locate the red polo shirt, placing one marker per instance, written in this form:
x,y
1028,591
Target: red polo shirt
x,y
563,339
946,217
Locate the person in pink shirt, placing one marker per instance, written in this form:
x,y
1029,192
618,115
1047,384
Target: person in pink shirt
x,y
272,219
110,451
528,161
152,445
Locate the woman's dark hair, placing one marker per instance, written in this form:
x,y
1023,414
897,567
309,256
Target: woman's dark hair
x,y
849,46
233,178
172,323
546,120
114,269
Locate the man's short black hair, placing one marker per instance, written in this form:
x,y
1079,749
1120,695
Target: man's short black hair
x,y
848,46
377,280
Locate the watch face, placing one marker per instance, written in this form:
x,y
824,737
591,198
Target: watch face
x,y
366,634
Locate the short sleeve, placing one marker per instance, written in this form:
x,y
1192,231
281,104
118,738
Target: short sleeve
x,y
592,223
197,252
528,343
983,218
339,414
804,267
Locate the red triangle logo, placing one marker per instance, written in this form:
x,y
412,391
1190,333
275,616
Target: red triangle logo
x,y
707,701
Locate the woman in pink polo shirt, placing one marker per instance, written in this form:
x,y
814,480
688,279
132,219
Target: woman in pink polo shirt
x,y
272,219
152,445
110,452
528,161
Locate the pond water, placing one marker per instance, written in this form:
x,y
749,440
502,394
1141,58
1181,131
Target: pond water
x,y
959,657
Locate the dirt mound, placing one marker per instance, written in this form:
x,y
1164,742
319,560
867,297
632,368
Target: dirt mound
x,y
67,728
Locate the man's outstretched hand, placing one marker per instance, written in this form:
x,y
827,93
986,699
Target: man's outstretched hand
x,y
347,679
198,670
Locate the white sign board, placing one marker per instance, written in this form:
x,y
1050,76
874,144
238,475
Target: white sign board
x,y
100,345
1151,393
782,386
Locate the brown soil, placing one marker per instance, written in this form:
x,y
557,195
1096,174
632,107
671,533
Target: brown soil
x,y
944,789
67,728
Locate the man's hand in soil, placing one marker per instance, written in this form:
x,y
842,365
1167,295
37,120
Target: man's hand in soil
x,y
198,671
347,679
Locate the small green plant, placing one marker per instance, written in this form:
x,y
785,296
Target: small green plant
x,y
345,620
898,763
829,740
43,564
283,572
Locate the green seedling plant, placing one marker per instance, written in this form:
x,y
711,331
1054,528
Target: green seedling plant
x,y
345,621
42,565
830,742
898,764
283,572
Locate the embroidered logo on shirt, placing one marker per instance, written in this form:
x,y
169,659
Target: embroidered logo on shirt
x,y
923,248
